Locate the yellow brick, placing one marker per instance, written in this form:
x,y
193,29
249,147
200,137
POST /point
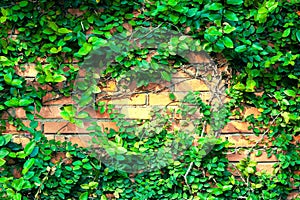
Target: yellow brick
x,y
139,99
190,85
164,99
136,112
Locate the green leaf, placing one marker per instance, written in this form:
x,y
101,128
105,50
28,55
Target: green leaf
x,y
250,84
53,26
85,49
166,76
298,35
2,162
16,82
172,2
249,170
286,32
3,153
27,165
23,3
231,16
25,102
13,102
48,31
290,93
3,58
235,2
227,42
63,30
215,6
228,29
29,147
84,196
241,48
8,78
172,97
5,139
239,86
192,12
57,78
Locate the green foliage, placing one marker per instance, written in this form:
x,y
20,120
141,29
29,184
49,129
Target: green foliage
x,y
260,40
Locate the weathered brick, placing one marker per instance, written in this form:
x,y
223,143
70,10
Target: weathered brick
x,y
293,195
11,128
245,140
251,110
236,127
65,127
164,99
19,139
136,112
110,87
139,99
27,70
190,85
50,99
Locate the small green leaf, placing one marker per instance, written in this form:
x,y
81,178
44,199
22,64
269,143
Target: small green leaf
x,y
228,29
16,82
25,102
3,153
250,84
27,165
23,3
227,42
13,102
235,2
2,161
8,78
63,30
84,196
298,35
172,97
241,48
29,147
290,93
215,6
231,16
53,26
57,78
85,49
286,32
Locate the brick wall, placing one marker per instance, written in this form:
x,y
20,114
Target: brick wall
x,y
138,107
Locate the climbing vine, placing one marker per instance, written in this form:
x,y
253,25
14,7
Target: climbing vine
x,y
260,41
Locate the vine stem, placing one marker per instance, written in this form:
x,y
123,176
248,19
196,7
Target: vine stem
x,y
186,174
263,135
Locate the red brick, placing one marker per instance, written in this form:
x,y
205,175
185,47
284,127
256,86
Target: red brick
x,y
50,99
11,128
65,127
251,110
293,195
236,127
